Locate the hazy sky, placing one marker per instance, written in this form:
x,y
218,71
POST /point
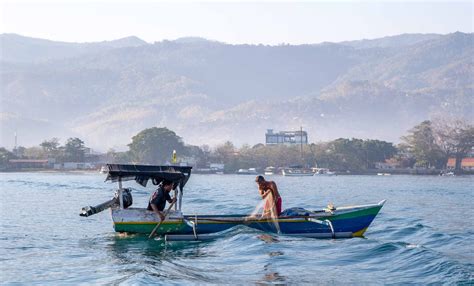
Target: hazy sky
x,y
232,22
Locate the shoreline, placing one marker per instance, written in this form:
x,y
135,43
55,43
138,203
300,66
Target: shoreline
x,y
414,172
52,171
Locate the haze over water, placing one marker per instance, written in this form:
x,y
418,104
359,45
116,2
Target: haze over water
x,y
423,234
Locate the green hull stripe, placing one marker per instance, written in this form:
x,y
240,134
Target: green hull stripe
x,y
370,211
148,228
180,226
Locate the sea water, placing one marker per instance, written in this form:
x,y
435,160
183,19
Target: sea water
x,y
424,233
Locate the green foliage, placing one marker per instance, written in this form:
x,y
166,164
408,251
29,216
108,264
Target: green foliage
x,y
404,157
205,156
378,151
122,158
74,150
421,143
455,138
260,156
155,146
51,147
352,154
5,155
117,157
19,151
340,154
35,153
427,145
199,154
226,153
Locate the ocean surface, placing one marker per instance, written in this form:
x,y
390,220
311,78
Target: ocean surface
x,y
423,235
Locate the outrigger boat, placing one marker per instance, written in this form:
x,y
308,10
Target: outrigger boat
x,y
343,222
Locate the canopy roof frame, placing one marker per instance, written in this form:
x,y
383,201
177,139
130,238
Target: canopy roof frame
x,y
179,175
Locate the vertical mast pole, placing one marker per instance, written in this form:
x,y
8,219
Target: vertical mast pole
x,y
176,197
301,144
120,193
16,146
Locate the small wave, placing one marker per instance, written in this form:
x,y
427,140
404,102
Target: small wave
x,y
60,186
386,248
408,231
88,188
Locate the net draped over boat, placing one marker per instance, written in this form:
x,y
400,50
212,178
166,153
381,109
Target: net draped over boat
x,y
179,175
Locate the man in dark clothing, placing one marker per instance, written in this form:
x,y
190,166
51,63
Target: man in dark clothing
x,y
158,199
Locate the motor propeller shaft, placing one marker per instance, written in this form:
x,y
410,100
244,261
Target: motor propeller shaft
x,y
114,202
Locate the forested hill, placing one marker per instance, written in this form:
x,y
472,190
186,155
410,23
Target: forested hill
x,y
209,92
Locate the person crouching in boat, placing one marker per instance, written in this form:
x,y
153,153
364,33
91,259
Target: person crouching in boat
x,y
269,192
158,199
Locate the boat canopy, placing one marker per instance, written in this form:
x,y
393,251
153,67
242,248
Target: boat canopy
x,y
179,175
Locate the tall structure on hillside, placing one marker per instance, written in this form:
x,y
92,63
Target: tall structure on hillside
x,y
286,137
15,148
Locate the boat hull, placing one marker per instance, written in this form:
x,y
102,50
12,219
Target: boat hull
x,y
344,222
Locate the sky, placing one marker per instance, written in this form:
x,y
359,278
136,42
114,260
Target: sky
x,y
232,22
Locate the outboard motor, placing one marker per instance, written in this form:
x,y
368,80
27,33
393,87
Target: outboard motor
x,y
127,197
114,202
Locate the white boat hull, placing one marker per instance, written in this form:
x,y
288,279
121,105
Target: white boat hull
x,y
296,173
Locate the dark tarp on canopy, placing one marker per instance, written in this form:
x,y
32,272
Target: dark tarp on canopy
x,y
142,173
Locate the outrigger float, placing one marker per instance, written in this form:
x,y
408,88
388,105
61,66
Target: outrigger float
x,y
343,222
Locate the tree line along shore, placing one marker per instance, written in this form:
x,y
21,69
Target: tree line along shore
x,y
430,147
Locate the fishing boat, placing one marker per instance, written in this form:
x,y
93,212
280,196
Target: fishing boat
x,y
341,222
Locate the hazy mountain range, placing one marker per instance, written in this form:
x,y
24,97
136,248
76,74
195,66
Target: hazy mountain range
x,y
209,92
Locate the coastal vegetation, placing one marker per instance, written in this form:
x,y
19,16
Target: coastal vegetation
x,y
431,143
426,145
154,145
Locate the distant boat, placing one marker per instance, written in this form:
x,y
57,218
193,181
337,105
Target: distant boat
x,y
296,172
383,174
209,171
323,172
103,170
269,171
249,171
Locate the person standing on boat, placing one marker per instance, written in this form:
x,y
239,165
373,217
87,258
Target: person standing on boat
x,y
269,192
158,199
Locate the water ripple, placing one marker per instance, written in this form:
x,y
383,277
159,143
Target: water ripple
x,y
418,238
